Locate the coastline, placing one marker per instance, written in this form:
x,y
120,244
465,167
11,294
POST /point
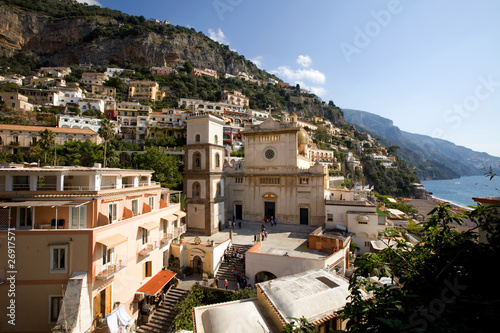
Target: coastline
x,y
425,206
455,205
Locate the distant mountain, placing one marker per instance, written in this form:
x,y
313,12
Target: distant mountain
x,y
432,158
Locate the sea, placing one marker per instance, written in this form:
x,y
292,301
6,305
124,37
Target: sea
x,y
460,191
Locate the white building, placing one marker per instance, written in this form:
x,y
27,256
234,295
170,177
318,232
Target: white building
x,y
94,124
86,104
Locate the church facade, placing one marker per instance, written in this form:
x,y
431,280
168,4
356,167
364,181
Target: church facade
x,y
276,178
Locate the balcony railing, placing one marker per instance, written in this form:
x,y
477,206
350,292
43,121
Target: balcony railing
x,y
166,238
146,249
179,231
108,270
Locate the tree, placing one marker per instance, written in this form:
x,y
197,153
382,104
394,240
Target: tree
x,y
188,67
106,132
299,325
443,283
166,167
47,142
181,199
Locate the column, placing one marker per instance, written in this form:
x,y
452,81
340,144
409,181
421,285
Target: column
x,y
33,180
60,183
9,180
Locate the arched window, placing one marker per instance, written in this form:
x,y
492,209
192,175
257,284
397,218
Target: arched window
x,y
196,190
219,190
217,160
216,139
197,138
196,160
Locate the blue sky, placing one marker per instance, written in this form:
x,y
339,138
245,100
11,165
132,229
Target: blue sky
x,y
433,67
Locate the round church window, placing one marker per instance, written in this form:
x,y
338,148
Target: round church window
x,y
269,154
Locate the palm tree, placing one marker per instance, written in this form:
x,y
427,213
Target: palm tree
x,y
106,132
182,199
47,141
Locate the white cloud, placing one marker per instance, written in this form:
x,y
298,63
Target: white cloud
x,y
304,60
311,75
218,36
90,2
257,61
320,91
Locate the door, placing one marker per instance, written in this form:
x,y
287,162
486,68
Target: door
x,y
239,212
304,215
197,265
269,209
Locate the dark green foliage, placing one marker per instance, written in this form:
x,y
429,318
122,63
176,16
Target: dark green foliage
x,y
166,167
444,283
389,181
21,63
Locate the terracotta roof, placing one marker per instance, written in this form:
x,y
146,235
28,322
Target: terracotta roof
x,y
154,285
41,128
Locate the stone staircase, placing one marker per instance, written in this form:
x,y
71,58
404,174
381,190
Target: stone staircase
x,y
226,269
164,315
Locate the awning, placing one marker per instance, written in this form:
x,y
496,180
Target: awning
x,y
113,241
180,213
154,285
150,225
34,203
170,218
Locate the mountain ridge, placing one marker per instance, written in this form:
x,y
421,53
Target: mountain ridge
x,y
428,155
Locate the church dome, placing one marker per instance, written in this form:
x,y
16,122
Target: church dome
x,y
303,137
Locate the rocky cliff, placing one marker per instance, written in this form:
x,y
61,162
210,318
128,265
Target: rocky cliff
x,y
103,40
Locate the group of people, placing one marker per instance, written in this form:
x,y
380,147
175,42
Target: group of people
x,y
271,220
233,254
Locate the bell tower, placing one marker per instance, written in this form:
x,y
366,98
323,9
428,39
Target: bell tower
x,y
203,177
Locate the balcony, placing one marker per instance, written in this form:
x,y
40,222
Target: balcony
x,y
146,249
108,270
179,231
165,239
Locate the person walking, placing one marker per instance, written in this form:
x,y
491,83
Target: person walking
x,y
265,234
255,238
239,224
216,280
226,283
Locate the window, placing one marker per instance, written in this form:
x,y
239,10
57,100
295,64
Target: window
x,y
144,236
55,303
107,255
113,212
219,190
217,160
269,154
58,259
216,139
238,180
25,217
151,202
197,138
78,217
147,269
135,206
329,217
196,189
196,160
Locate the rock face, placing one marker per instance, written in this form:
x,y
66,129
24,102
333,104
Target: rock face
x,y
81,40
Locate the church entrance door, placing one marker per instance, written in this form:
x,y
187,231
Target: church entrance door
x,y
239,212
304,216
269,209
